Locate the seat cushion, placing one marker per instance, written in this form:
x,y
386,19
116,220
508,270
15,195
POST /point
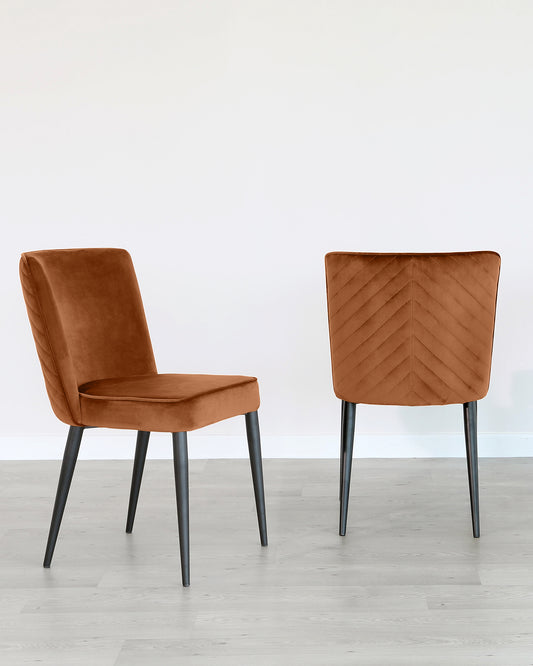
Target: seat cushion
x,y
166,402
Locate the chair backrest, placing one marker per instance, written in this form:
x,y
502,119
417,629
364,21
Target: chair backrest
x,y
411,329
87,320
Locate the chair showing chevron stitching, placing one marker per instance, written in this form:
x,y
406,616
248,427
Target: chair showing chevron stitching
x,y
411,329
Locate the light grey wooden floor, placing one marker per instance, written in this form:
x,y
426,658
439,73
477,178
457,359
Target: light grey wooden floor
x,y
408,585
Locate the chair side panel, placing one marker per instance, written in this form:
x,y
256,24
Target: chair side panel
x,y
58,393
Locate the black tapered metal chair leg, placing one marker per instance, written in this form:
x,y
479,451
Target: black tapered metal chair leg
x,y
347,437
181,477
254,447
137,475
470,424
341,457
65,478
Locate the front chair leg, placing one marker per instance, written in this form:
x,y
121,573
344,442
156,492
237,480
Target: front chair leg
x,y
254,448
65,477
470,423
137,475
181,477
347,435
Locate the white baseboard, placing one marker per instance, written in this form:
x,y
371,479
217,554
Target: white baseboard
x,y
106,445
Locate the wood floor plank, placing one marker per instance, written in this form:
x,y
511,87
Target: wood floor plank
x,y
85,652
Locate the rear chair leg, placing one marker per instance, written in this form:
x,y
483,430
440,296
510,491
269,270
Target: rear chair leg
x,y
136,478
65,478
470,423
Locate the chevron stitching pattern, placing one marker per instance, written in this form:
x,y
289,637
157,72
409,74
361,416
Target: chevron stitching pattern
x,y
411,329
52,379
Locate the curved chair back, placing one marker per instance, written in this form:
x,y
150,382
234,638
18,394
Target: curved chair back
x,y
411,329
87,320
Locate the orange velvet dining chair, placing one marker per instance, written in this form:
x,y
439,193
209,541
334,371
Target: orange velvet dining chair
x,y
411,329
93,343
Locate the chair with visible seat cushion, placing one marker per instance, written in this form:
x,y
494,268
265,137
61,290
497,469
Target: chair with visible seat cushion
x,y
411,329
92,339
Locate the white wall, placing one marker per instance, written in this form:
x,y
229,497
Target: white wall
x,y
229,145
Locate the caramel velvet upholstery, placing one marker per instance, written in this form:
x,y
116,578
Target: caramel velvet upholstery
x,y
167,403
90,330
411,329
